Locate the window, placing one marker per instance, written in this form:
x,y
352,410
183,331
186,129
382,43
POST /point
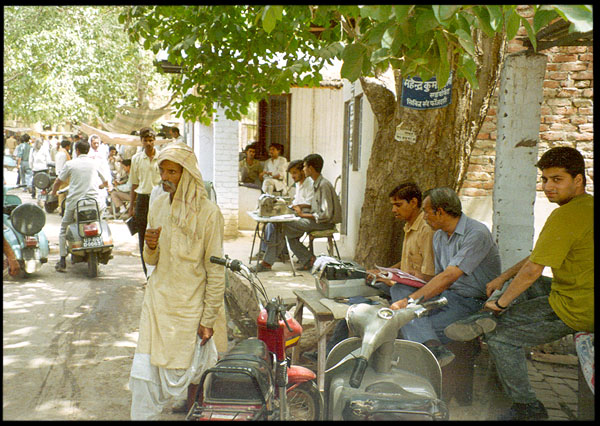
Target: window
x,y
274,124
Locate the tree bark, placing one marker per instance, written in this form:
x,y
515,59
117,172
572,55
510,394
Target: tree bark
x,y
439,157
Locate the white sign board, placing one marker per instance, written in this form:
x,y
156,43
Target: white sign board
x,y
405,135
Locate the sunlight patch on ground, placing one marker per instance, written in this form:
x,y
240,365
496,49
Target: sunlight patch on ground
x,y
40,362
81,342
8,359
22,331
125,344
17,345
74,315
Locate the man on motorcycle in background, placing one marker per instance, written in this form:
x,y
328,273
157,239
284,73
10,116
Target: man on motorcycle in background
x,y
85,177
184,298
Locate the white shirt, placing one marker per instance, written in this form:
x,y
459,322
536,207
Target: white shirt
x,y
304,192
85,176
61,159
38,160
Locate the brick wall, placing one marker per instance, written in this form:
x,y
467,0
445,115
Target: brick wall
x,y
567,116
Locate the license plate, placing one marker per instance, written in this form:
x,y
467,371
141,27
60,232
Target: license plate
x,y
92,242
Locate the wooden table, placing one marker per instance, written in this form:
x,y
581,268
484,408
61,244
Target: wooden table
x,y
277,221
324,322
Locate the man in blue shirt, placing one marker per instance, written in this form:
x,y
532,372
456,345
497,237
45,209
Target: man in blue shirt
x,y
466,259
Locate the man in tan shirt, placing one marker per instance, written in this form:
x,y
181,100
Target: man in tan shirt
x,y
143,177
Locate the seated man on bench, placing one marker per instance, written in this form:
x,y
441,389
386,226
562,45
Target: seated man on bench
x,y
417,250
466,258
566,244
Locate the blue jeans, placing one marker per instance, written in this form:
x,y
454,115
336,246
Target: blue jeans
x,y
529,323
431,326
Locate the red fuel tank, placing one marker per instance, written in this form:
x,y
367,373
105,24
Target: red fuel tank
x,y
280,339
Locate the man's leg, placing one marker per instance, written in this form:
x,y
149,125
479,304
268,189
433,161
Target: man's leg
x,y
274,245
141,220
295,230
530,323
68,218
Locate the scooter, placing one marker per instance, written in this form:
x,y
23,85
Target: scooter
x,y
23,224
255,380
374,376
44,181
89,239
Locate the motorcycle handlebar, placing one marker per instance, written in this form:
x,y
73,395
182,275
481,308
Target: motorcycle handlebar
x,y
358,372
233,264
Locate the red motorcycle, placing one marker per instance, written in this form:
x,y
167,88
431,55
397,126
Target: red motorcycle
x,y
255,379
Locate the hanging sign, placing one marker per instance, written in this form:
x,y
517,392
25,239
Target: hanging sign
x,y
419,94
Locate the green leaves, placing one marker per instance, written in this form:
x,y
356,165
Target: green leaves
x,y
270,16
580,16
354,57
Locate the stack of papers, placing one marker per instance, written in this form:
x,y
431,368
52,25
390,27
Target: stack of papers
x,y
400,276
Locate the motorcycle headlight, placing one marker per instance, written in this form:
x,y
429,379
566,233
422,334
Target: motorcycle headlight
x,y
28,219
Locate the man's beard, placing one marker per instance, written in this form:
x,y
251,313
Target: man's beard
x,y
170,185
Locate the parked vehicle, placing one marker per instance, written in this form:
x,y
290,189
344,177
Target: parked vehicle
x,y
44,182
23,229
89,239
375,376
255,380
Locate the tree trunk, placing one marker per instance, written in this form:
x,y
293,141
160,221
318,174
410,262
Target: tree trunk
x,y
439,157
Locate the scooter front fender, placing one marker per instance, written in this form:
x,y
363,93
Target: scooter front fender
x,y
299,374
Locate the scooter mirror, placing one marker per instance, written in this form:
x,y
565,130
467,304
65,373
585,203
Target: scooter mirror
x,y
41,180
28,219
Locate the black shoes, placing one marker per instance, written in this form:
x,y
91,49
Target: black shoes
x,y
520,411
471,327
61,265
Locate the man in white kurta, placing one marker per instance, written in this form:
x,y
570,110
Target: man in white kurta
x,y
274,170
184,295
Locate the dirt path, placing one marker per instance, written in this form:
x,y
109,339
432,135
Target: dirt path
x,y
69,341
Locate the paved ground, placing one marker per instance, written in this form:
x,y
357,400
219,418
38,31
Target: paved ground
x,y
556,384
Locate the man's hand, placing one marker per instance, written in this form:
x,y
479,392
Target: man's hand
x,y
13,266
297,209
130,209
491,306
151,237
495,284
399,304
205,333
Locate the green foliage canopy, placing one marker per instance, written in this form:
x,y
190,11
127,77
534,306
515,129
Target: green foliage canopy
x,y
72,63
234,55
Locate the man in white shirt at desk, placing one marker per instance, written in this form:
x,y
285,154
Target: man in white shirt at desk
x,y
325,213
302,201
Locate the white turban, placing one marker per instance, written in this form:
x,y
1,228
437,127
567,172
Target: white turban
x,y
190,192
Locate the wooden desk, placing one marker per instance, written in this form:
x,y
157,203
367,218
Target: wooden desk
x,y
323,315
277,221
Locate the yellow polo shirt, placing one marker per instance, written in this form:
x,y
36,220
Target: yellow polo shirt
x,y
144,172
566,244
417,247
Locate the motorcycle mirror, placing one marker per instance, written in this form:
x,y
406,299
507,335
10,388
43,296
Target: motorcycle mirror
x,y
41,180
28,219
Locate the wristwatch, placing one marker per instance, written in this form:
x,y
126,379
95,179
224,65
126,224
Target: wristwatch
x,y
499,306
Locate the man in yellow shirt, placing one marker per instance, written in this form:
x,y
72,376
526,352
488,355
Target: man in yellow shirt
x,y
143,177
566,244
